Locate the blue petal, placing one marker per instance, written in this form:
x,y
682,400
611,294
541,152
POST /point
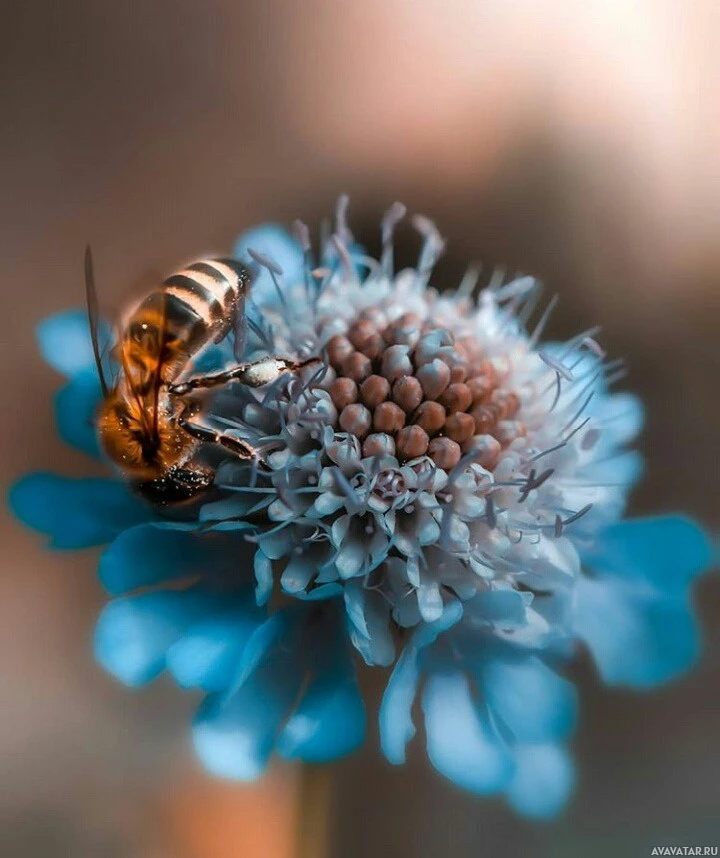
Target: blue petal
x,y
151,554
273,241
133,634
369,625
461,742
623,469
637,636
262,566
542,781
75,513
505,608
234,739
64,341
667,551
319,594
234,734
330,720
208,654
396,725
620,418
259,647
75,406
531,699
297,574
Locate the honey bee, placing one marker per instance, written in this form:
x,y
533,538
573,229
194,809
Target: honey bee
x,y
149,422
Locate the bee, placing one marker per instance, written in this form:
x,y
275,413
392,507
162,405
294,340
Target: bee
x,y
149,421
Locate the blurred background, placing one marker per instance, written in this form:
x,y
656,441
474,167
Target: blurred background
x,y
574,139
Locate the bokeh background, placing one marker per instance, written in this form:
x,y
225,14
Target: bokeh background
x,y
574,139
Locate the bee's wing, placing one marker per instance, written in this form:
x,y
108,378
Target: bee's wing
x,y
161,357
240,331
92,310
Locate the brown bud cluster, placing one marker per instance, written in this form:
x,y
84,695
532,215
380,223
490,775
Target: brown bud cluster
x,y
408,389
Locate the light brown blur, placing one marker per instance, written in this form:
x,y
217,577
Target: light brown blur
x,y
574,139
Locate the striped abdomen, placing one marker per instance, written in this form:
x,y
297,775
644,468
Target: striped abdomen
x,y
192,308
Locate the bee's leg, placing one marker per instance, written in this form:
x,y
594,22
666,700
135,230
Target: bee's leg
x,y
255,374
212,436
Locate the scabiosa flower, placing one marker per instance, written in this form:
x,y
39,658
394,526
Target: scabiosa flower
x,y
443,493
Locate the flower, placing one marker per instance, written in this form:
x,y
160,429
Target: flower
x,y
443,494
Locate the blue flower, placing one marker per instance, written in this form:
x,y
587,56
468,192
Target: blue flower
x,y
443,495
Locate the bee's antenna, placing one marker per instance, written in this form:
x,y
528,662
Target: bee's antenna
x,y
92,309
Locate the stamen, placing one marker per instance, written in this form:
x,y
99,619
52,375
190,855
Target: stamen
x,y
469,281
534,482
578,340
531,302
594,347
490,513
553,364
344,256
259,332
265,262
341,226
497,278
392,217
518,288
432,248
540,326
302,233
578,515
578,413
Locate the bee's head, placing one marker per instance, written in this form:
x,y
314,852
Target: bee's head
x,y
143,447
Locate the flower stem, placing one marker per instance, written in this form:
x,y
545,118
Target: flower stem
x,y
314,811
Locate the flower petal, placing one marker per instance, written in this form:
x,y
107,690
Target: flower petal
x,y
624,469
264,639
153,553
529,697
542,781
637,636
234,738
430,602
620,418
262,566
667,551
297,574
75,406
368,622
461,742
75,513
208,654
234,733
64,342
133,634
396,725
330,720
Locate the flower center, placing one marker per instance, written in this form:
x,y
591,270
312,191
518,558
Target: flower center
x,y
407,388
